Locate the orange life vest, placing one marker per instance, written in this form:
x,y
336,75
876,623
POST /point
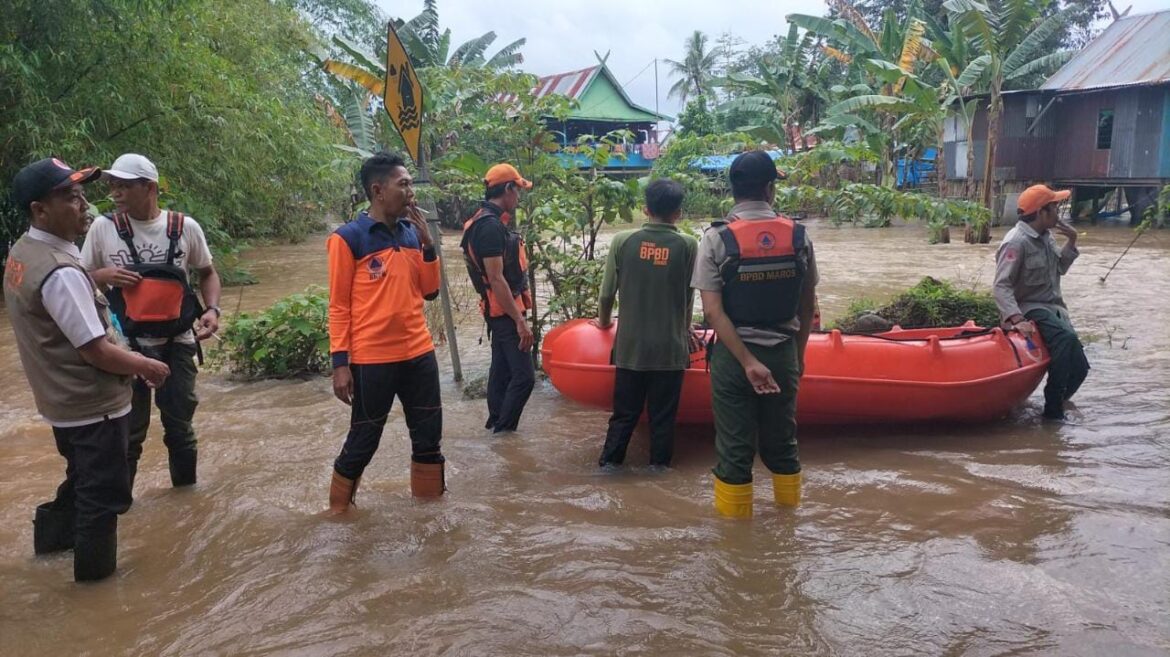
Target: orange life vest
x,y
162,304
515,264
764,273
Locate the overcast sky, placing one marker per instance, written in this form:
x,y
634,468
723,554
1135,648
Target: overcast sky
x,y
563,35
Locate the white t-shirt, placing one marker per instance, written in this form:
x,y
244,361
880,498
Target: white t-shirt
x,y
68,298
104,248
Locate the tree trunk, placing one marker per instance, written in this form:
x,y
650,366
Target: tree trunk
x,y
969,185
993,114
940,164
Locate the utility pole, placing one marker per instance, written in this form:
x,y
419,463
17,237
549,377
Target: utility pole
x,y
656,85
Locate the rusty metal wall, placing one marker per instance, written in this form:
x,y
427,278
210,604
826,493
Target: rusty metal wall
x,y
1136,152
1063,144
1020,154
1076,154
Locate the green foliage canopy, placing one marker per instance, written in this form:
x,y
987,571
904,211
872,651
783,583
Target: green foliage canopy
x,y
210,90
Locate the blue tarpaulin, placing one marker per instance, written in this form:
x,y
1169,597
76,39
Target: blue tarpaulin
x,y
912,173
719,163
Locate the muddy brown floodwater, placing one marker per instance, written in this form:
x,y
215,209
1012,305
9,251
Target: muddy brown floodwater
x,y
1014,538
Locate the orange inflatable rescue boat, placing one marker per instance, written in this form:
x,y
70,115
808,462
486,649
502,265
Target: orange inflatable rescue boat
x,y
961,374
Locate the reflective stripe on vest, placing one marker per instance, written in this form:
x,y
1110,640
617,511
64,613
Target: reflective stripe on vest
x,y
763,274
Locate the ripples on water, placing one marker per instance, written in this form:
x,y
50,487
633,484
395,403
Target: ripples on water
x,y
1012,538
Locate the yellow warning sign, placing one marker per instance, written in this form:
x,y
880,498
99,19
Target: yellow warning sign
x,y
403,96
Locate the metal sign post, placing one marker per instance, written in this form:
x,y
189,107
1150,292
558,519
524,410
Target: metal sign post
x,y
402,98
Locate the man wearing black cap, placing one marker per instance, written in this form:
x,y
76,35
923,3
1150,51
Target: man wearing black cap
x,y
757,277
78,370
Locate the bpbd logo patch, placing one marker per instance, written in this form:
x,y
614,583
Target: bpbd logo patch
x,y
376,268
766,241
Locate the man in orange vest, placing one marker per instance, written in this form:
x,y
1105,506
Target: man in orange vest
x,y
124,253
497,265
757,278
382,265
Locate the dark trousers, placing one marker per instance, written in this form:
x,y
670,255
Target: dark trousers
x,y
1068,366
746,422
176,403
511,377
416,384
96,485
658,393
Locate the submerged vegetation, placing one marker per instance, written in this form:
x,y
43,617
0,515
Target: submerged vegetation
x,y
930,303
289,338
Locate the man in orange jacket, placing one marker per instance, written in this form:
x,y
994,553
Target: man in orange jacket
x,y
382,265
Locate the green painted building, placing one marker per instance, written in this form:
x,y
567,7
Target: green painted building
x,y
602,106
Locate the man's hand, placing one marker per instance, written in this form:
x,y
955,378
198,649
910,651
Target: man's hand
x,y
420,225
207,325
525,334
1066,230
154,372
1025,327
761,378
601,323
343,384
695,342
115,277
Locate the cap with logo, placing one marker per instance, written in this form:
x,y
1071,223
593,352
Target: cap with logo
x,y
35,181
505,173
1037,196
133,166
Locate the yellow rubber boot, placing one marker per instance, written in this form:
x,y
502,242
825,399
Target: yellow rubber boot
x,y
733,500
786,489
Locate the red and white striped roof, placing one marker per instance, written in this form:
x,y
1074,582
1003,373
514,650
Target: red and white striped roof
x,y
571,84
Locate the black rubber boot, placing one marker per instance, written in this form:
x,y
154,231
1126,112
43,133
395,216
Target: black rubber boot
x,y
52,529
183,467
95,555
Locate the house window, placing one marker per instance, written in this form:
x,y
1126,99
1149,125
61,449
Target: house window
x,y
1105,129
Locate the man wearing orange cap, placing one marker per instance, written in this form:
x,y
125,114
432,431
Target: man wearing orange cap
x,y
1028,267
497,265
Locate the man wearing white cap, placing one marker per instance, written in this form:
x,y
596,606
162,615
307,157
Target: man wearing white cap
x,y
143,254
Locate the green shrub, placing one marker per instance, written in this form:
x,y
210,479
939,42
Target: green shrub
x,y
930,303
289,338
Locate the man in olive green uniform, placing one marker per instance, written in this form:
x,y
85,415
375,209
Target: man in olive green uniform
x,y
1028,267
649,270
78,371
757,277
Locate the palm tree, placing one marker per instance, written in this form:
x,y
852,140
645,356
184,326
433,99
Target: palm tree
x,y
696,70
1012,38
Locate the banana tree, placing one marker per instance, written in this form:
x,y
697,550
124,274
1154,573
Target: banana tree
x,y
450,92
885,62
785,88
427,46
1012,36
963,72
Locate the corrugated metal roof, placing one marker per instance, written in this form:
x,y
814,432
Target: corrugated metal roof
x,y
571,84
1132,51
574,84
